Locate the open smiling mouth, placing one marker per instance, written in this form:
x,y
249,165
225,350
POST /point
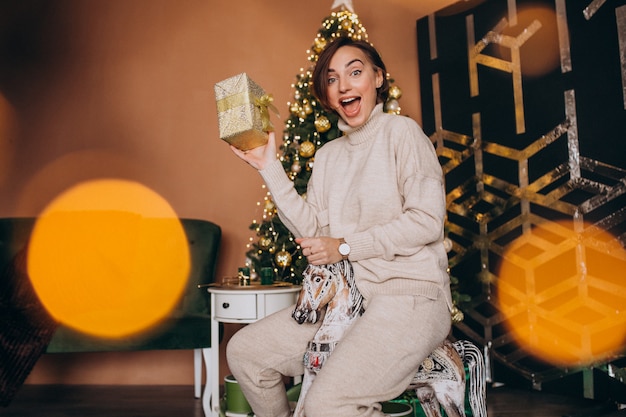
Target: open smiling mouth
x,y
351,105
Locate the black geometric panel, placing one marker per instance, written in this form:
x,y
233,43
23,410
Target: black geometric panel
x,y
525,102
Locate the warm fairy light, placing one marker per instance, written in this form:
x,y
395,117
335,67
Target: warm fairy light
x,y
108,258
562,293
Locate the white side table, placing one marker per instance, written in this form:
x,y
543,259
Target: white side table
x,y
242,304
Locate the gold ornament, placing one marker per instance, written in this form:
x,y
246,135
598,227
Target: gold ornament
x,y
270,207
320,44
296,167
457,315
393,107
308,109
283,258
307,149
294,108
322,124
395,92
265,242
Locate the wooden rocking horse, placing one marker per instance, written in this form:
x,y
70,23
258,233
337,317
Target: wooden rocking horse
x,y
440,379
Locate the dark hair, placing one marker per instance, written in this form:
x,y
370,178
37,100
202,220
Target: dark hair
x,y
319,86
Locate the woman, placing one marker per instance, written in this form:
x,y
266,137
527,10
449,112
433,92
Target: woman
x,y
375,197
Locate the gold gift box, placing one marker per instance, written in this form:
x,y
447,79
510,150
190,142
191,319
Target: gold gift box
x,y
242,112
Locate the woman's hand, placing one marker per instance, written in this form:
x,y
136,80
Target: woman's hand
x,y
261,156
320,250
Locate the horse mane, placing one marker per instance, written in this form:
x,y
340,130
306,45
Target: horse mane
x,y
343,271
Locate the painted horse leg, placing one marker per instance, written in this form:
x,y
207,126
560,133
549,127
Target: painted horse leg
x,y
452,408
306,383
428,401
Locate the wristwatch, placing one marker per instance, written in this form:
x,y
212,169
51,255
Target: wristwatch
x,y
344,248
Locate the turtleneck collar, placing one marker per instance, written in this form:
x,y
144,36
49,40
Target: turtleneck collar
x,y
361,134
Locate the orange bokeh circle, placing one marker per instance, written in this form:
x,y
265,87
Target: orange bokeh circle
x,y
108,258
562,293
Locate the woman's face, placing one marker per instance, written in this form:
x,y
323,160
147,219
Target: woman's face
x,y
352,83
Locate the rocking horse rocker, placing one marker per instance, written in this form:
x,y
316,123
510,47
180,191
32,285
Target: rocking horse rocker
x,y
439,380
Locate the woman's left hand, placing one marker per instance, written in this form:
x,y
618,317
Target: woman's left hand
x,y
320,250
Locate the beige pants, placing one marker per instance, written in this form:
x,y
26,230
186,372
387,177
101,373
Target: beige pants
x,y
374,362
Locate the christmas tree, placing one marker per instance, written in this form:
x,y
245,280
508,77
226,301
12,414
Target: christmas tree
x,y
306,130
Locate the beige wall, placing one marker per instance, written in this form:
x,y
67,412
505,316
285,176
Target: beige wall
x,y
124,88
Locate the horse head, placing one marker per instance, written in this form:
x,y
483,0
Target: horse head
x,y
319,286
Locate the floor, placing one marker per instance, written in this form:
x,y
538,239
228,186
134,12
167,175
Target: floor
x,y
178,401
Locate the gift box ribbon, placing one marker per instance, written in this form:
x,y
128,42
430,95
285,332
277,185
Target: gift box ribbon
x,y
241,99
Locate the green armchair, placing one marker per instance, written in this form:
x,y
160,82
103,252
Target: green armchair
x,y
188,326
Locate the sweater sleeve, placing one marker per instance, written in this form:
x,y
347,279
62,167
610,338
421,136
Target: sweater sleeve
x,y
293,210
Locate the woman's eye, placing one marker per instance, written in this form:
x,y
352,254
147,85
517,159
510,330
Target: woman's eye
x,y
356,72
332,80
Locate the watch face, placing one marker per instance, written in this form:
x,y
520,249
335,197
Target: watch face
x,y
344,249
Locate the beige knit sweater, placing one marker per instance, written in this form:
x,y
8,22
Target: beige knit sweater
x,y
380,187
